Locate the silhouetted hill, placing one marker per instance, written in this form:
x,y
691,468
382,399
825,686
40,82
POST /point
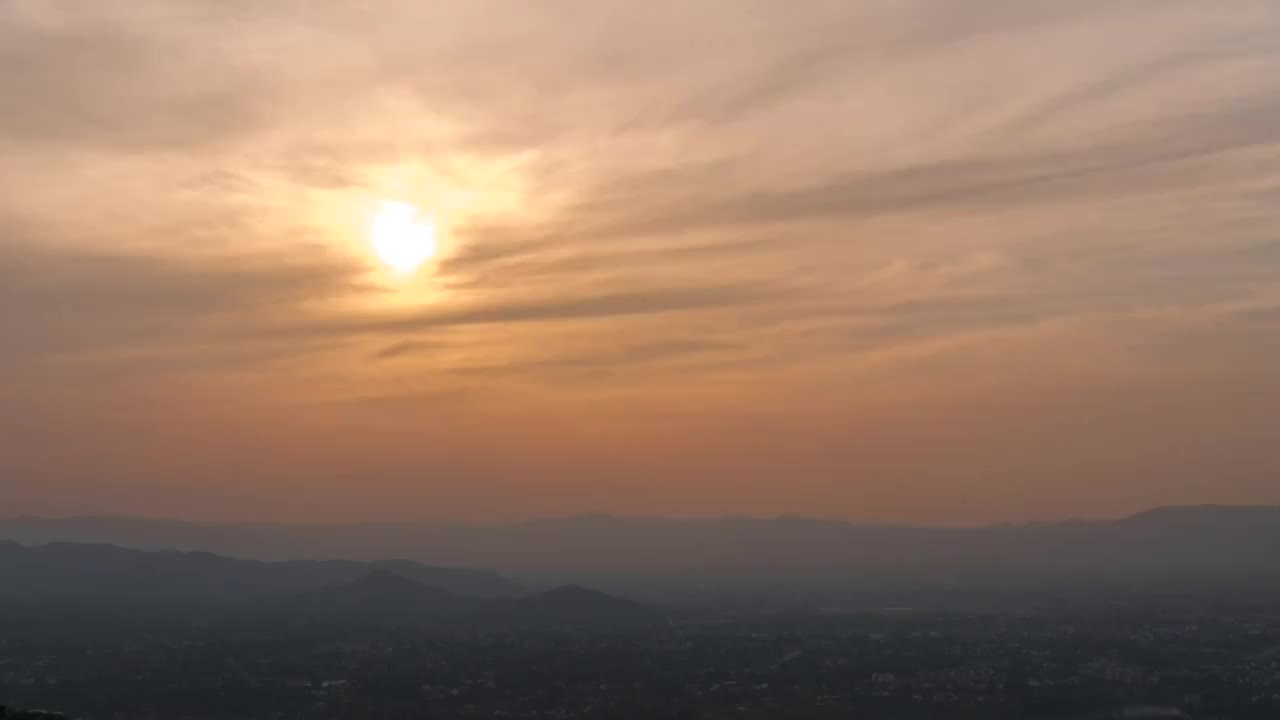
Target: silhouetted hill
x,y
1213,544
576,605
109,574
577,599
381,596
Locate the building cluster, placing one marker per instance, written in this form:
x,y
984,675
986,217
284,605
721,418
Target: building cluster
x,y
871,665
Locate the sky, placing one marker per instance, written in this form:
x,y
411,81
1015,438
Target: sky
x,y
894,261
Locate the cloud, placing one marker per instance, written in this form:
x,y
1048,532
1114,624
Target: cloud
x,y
77,305
607,363
655,301
729,201
688,171
135,80
402,348
72,301
1143,163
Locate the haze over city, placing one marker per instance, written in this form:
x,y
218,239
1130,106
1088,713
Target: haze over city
x,y
921,262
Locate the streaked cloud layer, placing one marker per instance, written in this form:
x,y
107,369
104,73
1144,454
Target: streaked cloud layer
x,y
913,260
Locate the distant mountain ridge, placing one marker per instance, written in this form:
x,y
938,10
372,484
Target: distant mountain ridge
x,y
73,577
109,572
1198,543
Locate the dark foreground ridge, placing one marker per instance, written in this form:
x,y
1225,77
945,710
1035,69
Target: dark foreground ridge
x,y
12,713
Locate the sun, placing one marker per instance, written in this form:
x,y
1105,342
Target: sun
x,y
402,237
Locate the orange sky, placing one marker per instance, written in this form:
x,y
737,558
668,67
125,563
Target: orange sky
x,y
887,261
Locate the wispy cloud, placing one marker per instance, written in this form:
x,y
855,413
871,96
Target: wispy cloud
x,y
727,204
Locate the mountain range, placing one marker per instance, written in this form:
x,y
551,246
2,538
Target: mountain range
x,y
101,571
1201,544
86,577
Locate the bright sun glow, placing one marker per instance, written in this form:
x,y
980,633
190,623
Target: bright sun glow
x,y
401,236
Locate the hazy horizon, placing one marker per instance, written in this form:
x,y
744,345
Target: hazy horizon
x,y
496,522
892,262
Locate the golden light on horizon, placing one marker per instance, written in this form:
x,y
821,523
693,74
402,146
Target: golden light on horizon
x,y
401,236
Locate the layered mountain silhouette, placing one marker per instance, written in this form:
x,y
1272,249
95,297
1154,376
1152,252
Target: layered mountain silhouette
x,y
1209,543
109,573
86,576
